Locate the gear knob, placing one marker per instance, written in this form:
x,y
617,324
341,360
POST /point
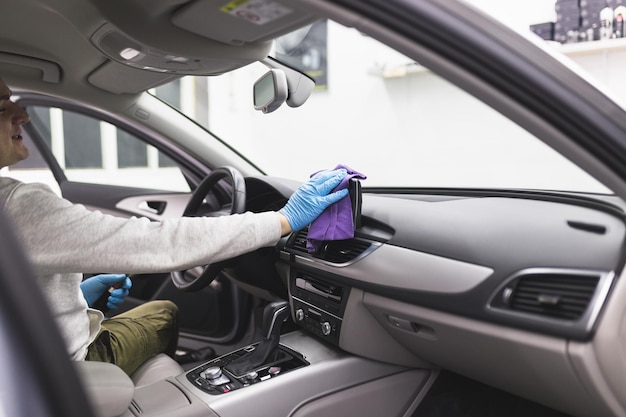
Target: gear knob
x,y
274,315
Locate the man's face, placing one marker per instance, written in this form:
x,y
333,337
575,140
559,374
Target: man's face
x,y
12,117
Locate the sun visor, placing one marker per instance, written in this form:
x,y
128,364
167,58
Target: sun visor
x,y
41,69
240,22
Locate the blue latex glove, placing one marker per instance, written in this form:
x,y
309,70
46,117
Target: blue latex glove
x,y
312,198
94,287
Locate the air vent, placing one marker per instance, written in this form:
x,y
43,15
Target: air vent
x,y
560,302
341,251
335,252
299,242
560,296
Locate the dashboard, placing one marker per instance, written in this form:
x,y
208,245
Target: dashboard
x,y
511,289
540,265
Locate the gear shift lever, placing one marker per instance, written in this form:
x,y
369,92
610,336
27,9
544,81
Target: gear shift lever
x,y
274,315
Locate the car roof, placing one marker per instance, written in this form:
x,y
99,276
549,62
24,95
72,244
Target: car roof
x,y
71,46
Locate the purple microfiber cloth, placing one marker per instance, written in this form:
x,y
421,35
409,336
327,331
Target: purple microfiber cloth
x,y
336,222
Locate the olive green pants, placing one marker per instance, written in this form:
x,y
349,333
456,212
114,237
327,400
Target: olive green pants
x,y
132,337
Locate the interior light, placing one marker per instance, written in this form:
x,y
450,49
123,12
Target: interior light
x,y
129,53
154,69
180,59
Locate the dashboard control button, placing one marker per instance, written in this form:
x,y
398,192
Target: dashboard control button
x,y
212,372
274,370
251,376
214,376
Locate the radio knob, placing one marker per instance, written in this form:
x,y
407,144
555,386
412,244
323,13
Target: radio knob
x,y
326,328
216,377
299,314
212,373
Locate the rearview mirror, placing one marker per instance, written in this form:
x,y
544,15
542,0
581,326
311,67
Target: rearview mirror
x,y
270,91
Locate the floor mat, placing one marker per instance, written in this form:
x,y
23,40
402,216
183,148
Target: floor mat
x,y
453,395
193,356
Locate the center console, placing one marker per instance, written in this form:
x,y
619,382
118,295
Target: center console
x,y
328,382
215,377
318,305
299,374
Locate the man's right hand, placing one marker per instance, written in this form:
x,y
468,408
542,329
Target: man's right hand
x,y
312,198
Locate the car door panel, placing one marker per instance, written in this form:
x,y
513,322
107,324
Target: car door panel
x,y
126,201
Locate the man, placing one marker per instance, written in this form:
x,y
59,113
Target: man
x,y
64,240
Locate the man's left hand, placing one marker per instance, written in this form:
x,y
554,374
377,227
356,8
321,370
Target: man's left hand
x,y
94,287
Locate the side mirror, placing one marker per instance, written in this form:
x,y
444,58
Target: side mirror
x,y
270,91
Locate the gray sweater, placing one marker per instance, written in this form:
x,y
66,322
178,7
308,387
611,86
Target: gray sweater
x,y
65,240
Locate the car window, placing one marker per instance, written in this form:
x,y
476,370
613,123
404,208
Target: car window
x,y
95,151
382,114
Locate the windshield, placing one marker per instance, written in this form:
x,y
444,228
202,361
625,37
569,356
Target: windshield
x,y
381,114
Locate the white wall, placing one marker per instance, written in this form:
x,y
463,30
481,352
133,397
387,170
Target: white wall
x,y
520,14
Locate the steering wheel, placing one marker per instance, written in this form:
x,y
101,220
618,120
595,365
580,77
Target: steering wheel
x,y
197,278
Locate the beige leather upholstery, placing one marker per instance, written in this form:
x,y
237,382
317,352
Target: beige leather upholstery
x,y
155,369
109,389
